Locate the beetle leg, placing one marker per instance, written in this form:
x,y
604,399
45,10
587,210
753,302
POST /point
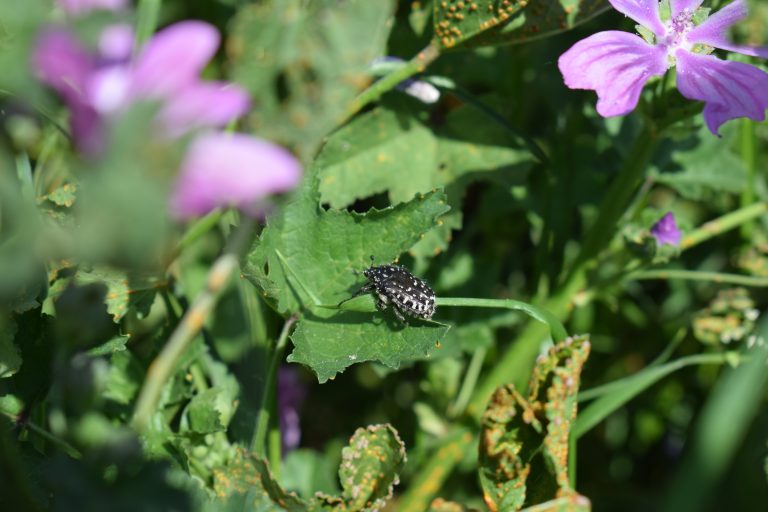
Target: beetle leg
x,y
368,288
399,314
381,303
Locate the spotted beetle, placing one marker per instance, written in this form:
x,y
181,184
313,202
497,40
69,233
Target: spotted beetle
x,y
395,285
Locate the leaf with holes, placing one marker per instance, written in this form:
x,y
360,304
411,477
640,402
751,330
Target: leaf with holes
x,y
517,432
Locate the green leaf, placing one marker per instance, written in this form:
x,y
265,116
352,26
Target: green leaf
x,y
516,430
211,410
307,472
124,378
64,195
365,158
123,292
305,258
495,22
116,344
330,345
246,484
369,468
305,61
703,167
10,357
18,31
571,502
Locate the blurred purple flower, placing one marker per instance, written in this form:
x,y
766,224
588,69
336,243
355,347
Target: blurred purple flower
x,y
77,7
167,70
618,64
665,231
218,170
290,396
223,169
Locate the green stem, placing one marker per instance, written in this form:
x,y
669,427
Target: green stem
x,y
430,478
275,448
617,198
164,365
54,440
598,391
470,381
748,143
267,398
416,65
147,14
196,231
627,388
722,224
542,315
696,275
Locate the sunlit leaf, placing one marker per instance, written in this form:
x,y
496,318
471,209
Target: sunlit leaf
x,y
495,22
304,62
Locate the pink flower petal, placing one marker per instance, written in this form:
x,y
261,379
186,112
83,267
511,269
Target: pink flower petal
x,y
614,64
76,7
665,231
174,58
730,89
645,12
222,170
206,104
714,30
679,6
116,42
107,89
61,62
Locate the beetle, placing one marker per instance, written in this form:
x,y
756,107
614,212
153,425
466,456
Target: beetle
x,y
397,286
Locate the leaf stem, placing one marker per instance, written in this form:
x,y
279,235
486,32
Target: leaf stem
x,y
470,381
416,65
617,198
436,470
268,396
696,275
722,224
164,365
617,393
748,146
542,315
199,228
56,441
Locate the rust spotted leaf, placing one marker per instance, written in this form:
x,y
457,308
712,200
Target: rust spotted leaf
x,y
528,436
496,22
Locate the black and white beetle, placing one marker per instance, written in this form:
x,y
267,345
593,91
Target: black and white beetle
x,y
395,285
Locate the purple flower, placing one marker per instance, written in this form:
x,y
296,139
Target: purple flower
x,y
77,7
222,169
100,85
290,395
665,231
618,64
218,170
